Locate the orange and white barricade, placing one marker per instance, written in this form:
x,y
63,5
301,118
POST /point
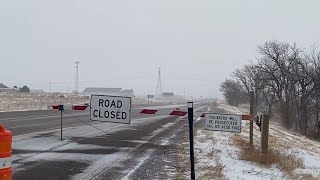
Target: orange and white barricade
x,y
5,154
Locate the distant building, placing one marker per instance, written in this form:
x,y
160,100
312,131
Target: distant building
x,y
127,92
108,91
4,88
37,91
167,94
102,91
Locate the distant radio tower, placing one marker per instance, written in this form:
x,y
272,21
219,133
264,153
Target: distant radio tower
x,y
159,85
76,91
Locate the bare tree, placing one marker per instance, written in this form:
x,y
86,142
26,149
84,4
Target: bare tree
x,y
233,92
252,79
313,57
286,81
276,64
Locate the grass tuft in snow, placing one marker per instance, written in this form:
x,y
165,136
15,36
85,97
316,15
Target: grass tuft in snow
x,y
208,158
183,166
305,177
212,171
285,161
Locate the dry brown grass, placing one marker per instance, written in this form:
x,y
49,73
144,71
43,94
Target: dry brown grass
x,y
182,160
276,156
312,133
209,171
304,177
213,172
205,171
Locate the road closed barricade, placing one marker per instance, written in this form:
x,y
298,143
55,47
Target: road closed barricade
x,y
176,112
79,107
5,154
172,113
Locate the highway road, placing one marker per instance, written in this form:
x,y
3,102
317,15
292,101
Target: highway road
x,y
23,122
145,149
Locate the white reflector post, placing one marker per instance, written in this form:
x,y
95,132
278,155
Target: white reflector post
x,y
190,104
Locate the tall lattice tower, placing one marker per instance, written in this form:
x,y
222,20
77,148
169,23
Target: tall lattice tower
x,y
159,85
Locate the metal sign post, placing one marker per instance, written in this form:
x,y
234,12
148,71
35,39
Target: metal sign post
x,y
60,108
190,118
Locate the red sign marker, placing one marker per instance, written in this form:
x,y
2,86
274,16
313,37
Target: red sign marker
x,y
178,113
55,107
79,107
148,111
247,117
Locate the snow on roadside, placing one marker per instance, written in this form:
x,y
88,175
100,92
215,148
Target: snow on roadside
x,y
306,149
25,102
215,149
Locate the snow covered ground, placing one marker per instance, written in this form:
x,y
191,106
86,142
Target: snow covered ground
x,y
218,156
24,101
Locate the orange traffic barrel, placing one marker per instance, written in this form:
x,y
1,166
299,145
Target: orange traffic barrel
x,y
5,154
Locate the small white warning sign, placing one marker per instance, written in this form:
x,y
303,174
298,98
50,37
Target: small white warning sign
x,y
223,122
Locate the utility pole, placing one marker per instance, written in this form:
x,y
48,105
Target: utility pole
x,y
76,91
50,86
159,84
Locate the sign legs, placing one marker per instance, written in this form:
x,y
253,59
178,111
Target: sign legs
x,y
60,108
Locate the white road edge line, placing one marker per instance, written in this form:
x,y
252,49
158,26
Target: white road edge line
x,y
142,160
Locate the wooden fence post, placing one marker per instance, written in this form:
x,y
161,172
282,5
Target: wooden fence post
x,y
251,122
264,134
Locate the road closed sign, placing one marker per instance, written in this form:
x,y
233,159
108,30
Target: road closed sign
x,y
223,122
110,108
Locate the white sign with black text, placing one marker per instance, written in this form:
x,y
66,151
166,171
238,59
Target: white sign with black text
x,y
223,122
110,108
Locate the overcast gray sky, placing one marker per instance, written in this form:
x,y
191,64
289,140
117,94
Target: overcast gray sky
x,y
121,43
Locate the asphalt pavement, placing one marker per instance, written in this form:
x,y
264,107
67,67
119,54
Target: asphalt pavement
x,y
140,150
23,122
